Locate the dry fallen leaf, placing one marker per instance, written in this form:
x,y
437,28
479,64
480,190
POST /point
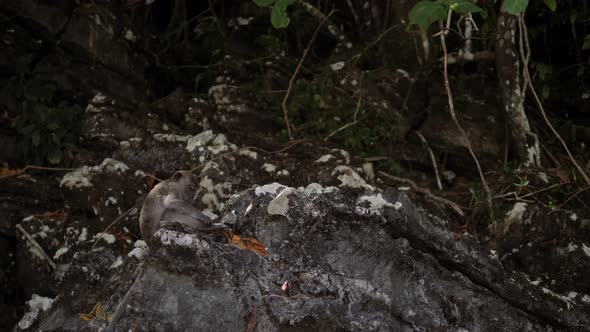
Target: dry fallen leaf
x,y
150,181
253,320
562,174
246,243
6,171
96,312
59,214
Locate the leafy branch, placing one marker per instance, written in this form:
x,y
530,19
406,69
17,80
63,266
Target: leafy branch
x,y
424,13
278,14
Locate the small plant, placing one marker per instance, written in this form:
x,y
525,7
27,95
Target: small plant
x,y
278,14
522,182
46,128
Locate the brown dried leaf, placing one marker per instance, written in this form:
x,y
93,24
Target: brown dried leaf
x,y
6,171
150,179
246,243
562,174
59,214
253,320
96,312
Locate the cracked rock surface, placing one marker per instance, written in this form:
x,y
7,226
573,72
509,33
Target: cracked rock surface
x,y
332,264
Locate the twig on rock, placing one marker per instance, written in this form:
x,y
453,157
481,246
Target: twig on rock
x,y
37,246
424,192
432,159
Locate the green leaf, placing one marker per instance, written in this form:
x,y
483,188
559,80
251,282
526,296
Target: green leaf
x,y
552,4
283,4
515,7
424,13
278,16
264,3
586,45
464,7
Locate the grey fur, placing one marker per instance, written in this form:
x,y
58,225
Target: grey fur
x,y
170,201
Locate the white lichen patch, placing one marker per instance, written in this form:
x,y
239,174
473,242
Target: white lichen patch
x,y
36,304
81,177
248,153
118,262
83,235
272,189
130,36
369,171
207,184
140,244
171,138
336,66
29,218
60,252
280,204
376,204
138,253
170,238
350,178
270,168
316,188
517,212
108,238
211,200
219,145
324,159
344,154
201,139
223,95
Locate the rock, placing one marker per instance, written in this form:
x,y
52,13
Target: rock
x,y
108,189
21,196
329,266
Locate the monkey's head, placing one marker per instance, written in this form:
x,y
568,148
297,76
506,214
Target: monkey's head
x,y
183,184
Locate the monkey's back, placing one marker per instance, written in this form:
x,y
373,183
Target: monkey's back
x,y
152,211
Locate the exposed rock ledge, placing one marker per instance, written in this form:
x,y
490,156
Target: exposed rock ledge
x,y
339,259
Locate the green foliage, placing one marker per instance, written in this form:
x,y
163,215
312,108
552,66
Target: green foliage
x,y
515,7
424,13
46,132
278,15
552,4
465,7
586,45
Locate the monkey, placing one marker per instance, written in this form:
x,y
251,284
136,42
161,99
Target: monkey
x,y
169,202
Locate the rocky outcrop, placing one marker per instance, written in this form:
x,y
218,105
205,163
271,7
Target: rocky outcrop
x,y
338,259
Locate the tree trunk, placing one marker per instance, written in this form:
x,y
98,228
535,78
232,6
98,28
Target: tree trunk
x,y
524,141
